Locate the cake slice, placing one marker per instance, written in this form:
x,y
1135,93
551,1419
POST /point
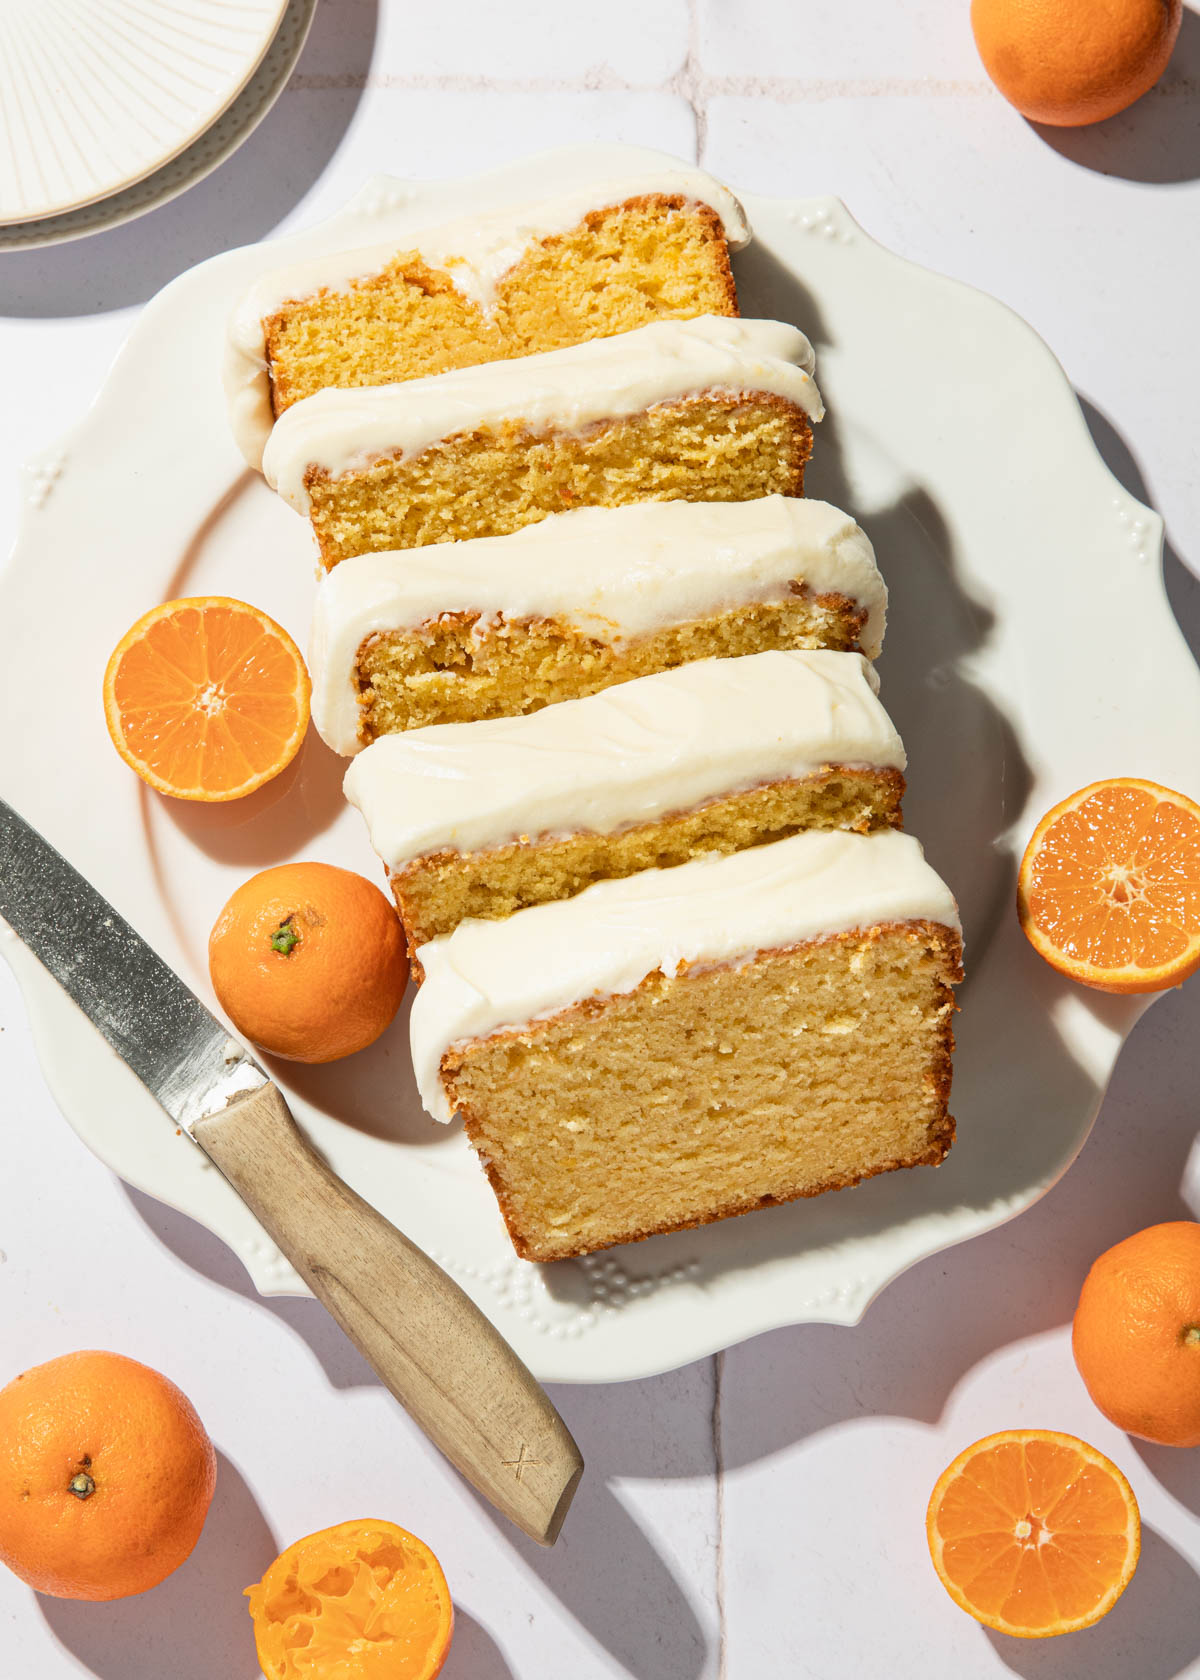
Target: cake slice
x,y
581,263
484,819
501,626
691,1043
703,410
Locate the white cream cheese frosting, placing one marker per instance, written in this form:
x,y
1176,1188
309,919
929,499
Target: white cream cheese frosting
x,y
612,573
345,430
631,754
474,252
488,976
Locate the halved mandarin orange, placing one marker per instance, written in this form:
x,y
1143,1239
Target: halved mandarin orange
x,y
1033,1533
1109,888
206,698
365,1600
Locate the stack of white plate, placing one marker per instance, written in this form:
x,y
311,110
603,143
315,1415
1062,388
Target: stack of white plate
x,y
111,107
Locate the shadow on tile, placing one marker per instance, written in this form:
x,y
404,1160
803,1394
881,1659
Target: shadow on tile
x,y
198,1248
193,1626
241,201
1158,138
474,1654
607,1573
1175,1468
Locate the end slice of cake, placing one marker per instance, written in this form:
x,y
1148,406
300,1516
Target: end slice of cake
x,y
703,410
502,626
484,819
581,263
691,1043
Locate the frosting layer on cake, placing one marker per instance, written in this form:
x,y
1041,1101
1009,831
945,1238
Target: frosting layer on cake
x,y
487,976
344,430
473,252
631,754
611,573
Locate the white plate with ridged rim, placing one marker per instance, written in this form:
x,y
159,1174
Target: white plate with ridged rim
x,y
955,437
235,124
97,94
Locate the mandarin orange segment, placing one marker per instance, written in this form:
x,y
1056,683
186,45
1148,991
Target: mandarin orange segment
x,y
206,698
364,1600
1033,1533
1109,887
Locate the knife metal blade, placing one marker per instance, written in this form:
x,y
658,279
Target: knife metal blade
x,y
157,1025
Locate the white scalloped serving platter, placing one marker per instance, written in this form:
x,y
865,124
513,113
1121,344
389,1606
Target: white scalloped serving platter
x,y
96,94
1030,650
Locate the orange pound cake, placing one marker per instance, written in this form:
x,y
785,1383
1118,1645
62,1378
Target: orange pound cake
x,y
501,626
691,1043
584,262
484,819
709,409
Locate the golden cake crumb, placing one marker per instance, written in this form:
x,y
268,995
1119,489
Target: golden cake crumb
x,y
716,1091
651,258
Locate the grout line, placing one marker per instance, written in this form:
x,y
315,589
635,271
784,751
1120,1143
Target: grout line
x,y
690,82
719,1480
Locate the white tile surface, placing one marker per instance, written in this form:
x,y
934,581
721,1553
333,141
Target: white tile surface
x,y
827,41
641,41
828,1441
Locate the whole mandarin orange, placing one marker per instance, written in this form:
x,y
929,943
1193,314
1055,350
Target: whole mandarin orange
x,y
364,1600
1069,62
309,961
106,1476
1136,1336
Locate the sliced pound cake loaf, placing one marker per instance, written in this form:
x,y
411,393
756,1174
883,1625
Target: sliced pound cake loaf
x,y
703,410
484,819
581,263
691,1043
501,626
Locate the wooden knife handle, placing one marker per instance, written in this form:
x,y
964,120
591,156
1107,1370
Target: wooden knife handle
x,y
429,1343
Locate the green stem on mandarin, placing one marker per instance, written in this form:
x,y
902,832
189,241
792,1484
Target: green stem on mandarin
x,y
285,938
82,1485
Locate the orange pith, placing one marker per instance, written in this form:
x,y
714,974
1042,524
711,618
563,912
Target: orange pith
x,y
1033,1533
365,1600
106,1476
206,698
1109,887
1136,1334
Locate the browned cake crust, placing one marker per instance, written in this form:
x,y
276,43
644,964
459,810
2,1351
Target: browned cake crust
x,y
939,1133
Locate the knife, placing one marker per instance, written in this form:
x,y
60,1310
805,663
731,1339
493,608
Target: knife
x,y
427,1341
